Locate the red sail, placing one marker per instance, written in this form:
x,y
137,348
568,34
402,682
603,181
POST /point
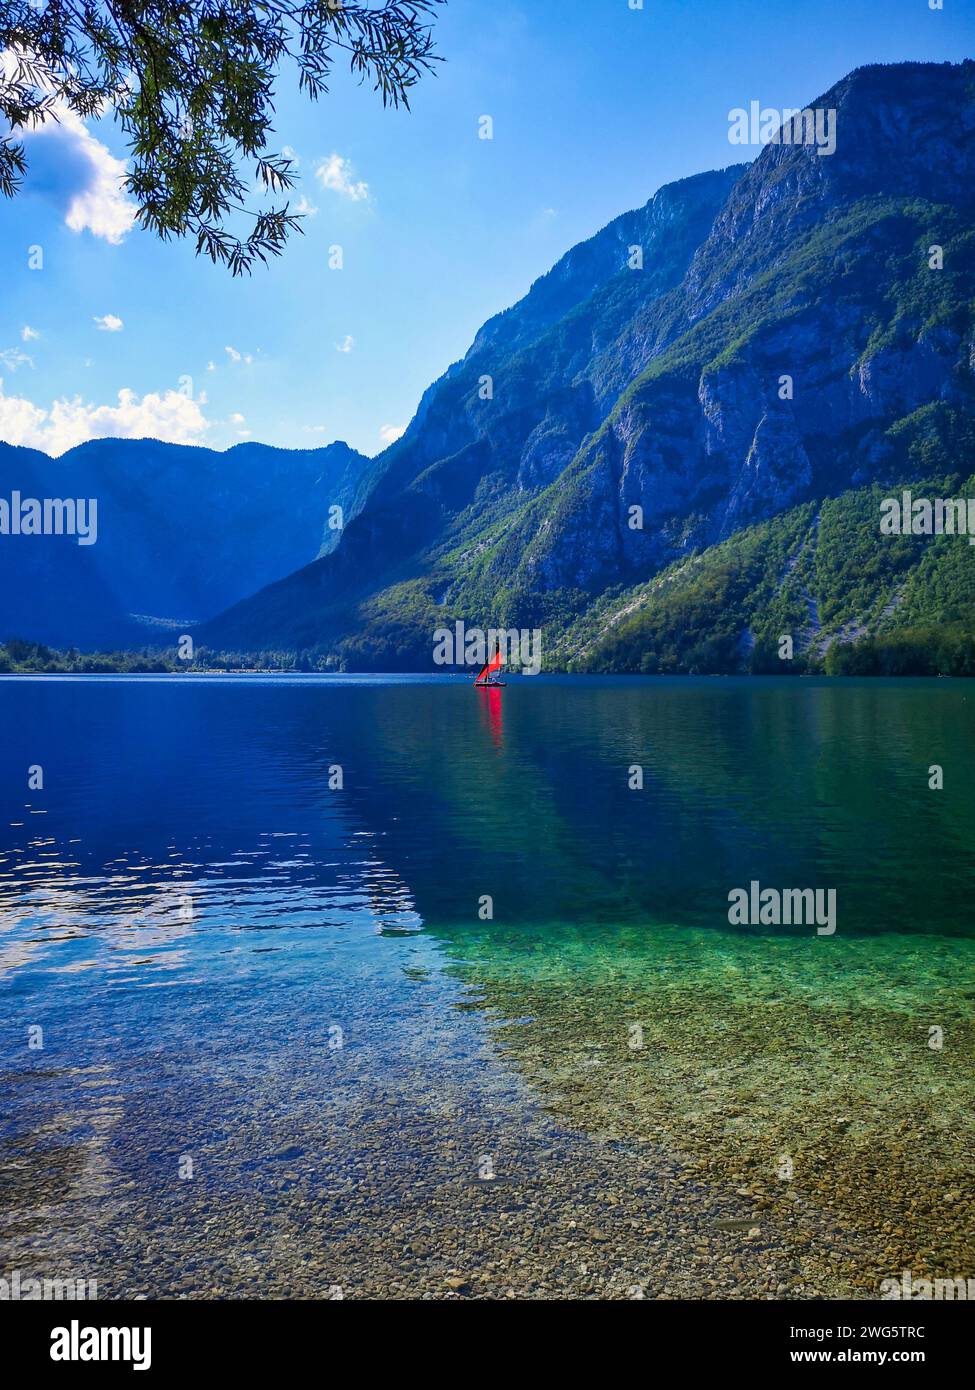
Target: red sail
x,y
493,665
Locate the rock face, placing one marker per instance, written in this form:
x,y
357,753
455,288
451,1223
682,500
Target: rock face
x,y
808,323
534,381
786,320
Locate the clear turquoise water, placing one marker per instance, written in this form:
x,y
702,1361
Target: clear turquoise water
x,y
191,914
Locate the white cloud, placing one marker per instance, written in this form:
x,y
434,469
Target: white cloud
x,y
28,334
211,366
290,153
100,205
81,174
108,323
336,173
346,345
236,356
390,433
170,416
12,358
304,208
238,419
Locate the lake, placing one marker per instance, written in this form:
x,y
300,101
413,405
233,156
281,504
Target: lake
x,y
387,987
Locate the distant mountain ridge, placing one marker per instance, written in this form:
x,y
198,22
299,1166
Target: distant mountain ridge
x,y
183,531
786,341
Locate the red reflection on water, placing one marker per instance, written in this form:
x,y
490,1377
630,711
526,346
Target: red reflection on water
x,y
489,699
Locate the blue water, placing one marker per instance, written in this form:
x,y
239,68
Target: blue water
x,y
294,986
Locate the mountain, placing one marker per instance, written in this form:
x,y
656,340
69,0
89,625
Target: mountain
x,y
183,532
466,458
787,342
815,573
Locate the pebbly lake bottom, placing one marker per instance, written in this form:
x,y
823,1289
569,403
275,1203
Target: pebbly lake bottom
x,y
258,1042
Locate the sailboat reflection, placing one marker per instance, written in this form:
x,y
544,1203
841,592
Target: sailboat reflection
x,y
489,700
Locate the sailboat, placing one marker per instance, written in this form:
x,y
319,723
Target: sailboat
x,y
484,676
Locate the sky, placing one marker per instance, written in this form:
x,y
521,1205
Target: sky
x,y
594,106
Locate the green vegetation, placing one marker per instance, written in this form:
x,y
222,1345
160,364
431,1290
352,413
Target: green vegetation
x,y
920,651
20,657
851,600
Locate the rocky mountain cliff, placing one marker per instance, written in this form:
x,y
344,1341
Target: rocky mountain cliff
x,y
786,329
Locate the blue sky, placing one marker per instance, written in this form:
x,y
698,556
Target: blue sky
x,y
595,105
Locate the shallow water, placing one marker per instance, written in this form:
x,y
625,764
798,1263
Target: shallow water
x,y
283,1053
